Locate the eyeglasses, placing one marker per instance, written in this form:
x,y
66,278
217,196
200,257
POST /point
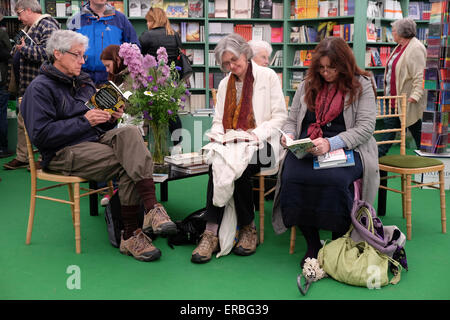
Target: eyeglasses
x,y
227,64
19,12
78,56
322,69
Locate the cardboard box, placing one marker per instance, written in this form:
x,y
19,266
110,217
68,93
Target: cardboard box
x,y
434,176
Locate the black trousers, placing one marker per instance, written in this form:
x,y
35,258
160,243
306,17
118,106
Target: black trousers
x,y
243,190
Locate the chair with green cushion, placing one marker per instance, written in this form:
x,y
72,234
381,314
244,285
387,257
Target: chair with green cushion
x,y
405,166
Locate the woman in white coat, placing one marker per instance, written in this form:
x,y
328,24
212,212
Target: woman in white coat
x,y
404,74
249,99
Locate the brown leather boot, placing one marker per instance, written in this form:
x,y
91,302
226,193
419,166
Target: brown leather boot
x,y
208,245
248,240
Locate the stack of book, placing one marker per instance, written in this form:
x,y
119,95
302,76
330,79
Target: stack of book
x,y
334,159
434,137
190,163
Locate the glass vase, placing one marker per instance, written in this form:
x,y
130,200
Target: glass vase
x,y
158,143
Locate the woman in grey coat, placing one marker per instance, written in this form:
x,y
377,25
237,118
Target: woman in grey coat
x,y
335,107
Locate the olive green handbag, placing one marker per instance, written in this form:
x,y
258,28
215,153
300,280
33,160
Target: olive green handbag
x,y
356,263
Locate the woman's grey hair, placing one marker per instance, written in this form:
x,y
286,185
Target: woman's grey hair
x,y
33,5
63,40
406,28
258,45
235,44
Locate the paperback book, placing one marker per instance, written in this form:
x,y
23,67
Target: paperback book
x,y
186,159
298,147
334,159
109,98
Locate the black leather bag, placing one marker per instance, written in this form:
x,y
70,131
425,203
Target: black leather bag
x,y
183,62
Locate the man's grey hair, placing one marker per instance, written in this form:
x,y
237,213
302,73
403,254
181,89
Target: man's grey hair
x,y
63,40
33,5
258,45
406,28
235,44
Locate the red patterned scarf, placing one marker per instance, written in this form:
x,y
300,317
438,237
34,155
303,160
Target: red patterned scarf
x,y
329,104
239,115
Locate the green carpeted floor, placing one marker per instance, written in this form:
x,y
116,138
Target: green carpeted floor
x,y
42,270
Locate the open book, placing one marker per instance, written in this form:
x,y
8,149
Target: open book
x,y
230,136
109,98
298,147
334,159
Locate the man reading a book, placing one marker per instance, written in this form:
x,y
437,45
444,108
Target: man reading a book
x,y
76,140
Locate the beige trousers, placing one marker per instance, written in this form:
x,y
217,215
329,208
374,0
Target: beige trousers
x,y
120,153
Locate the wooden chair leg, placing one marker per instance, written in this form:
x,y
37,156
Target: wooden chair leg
x,y
77,217
292,240
261,209
32,210
72,206
404,205
442,195
408,207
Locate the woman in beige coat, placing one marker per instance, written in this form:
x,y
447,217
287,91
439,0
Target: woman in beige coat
x,y
404,74
335,107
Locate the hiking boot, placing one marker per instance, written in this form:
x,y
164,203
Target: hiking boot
x,y
248,240
140,247
15,164
158,221
208,245
37,164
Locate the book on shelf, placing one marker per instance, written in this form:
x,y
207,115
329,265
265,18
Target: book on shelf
x,y
230,136
277,59
60,8
298,147
245,30
220,8
277,10
276,35
265,9
195,8
134,8
160,177
193,32
334,159
176,9
186,159
333,8
240,9
145,6
109,98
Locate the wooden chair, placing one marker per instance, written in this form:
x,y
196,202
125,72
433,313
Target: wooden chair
x,y
73,184
262,193
402,165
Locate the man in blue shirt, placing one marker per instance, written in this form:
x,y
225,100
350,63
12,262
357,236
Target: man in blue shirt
x,y
103,25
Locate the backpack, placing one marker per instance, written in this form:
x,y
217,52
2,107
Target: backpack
x,y
114,222
189,230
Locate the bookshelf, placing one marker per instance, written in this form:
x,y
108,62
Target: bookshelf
x,y
285,15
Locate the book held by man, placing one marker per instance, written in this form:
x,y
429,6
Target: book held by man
x,y
298,147
109,98
334,159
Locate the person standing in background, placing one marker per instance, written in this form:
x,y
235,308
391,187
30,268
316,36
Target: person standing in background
x,y
404,74
5,56
161,34
27,59
103,25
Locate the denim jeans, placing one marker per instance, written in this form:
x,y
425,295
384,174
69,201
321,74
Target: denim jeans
x,y
4,95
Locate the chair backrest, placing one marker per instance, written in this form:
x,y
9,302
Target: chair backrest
x,y
30,152
392,107
286,99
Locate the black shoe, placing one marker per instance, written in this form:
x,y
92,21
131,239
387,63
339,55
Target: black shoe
x,y
6,154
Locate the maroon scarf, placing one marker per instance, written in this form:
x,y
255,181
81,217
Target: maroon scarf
x,y
329,104
239,114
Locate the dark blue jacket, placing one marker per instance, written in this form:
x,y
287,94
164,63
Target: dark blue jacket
x,y
112,28
53,109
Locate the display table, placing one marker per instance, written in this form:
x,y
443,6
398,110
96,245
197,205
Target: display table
x,y
433,176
